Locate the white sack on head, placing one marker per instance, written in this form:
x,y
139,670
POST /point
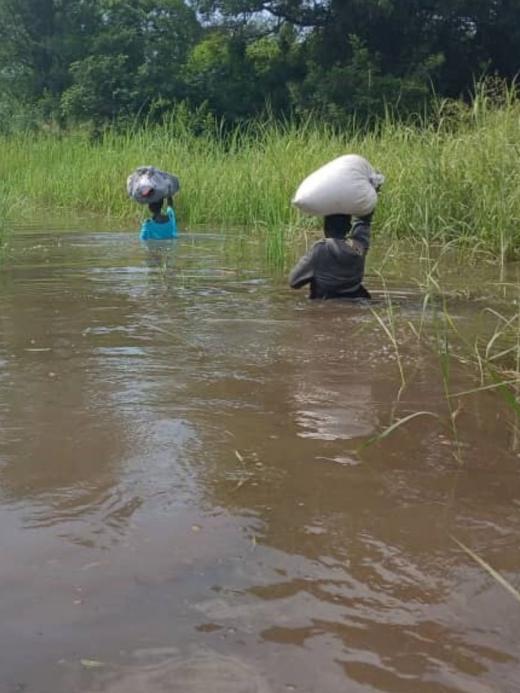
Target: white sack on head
x,y
147,184
346,185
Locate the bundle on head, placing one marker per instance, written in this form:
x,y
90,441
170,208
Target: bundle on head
x,y
148,184
346,185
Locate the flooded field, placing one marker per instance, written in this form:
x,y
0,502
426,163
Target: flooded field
x,y
187,500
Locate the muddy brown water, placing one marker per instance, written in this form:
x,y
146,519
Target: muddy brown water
x,y
185,504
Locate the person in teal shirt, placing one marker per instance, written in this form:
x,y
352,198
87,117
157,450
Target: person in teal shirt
x,y
160,227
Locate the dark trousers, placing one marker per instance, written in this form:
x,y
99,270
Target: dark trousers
x,y
360,292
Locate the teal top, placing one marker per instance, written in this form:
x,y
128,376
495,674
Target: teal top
x,y
159,231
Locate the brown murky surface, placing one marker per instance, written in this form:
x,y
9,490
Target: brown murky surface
x,y
184,504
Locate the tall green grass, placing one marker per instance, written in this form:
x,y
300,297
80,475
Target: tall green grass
x,y
453,176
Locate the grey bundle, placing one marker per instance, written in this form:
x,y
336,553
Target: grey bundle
x,y
148,184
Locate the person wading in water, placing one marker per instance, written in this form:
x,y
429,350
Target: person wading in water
x,y
335,265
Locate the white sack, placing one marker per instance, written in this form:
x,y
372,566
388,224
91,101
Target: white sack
x,y
147,184
346,185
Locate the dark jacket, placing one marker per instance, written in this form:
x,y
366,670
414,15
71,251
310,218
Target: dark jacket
x,y
334,267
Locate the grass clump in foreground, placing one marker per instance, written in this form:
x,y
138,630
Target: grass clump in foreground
x,y
469,322
455,176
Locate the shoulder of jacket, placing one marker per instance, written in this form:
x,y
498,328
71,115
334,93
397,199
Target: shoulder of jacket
x,y
341,246
355,246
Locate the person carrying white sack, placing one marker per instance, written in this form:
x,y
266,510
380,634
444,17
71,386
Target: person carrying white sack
x,y
343,189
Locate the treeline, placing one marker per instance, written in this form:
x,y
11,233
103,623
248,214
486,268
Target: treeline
x,y
98,61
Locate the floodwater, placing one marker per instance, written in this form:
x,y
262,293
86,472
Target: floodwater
x,y
185,502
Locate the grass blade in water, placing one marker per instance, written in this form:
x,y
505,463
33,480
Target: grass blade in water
x,y
482,388
494,574
506,393
395,426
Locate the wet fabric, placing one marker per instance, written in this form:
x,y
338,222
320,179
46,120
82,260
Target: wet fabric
x,y
334,267
152,230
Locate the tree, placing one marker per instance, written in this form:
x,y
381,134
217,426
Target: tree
x,y
411,45
237,73
39,39
138,58
104,59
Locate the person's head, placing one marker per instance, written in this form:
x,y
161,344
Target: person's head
x,y
156,207
336,225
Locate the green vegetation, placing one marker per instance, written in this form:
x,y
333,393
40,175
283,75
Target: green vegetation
x,y
454,178
470,328
93,61
91,88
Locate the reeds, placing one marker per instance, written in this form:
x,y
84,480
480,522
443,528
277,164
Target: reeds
x,y
453,178
488,349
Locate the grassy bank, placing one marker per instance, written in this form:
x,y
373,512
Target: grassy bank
x,y
455,177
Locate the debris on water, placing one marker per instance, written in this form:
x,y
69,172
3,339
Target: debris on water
x,y
88,566
196,528
314,529
208,627
91,663
204,671
239,484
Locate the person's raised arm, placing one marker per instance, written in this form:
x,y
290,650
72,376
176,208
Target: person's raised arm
x,y
360,233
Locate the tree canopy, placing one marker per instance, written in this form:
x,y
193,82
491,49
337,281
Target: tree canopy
x,y
101,60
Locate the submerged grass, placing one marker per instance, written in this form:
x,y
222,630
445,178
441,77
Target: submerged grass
x,y
456,176
394,426
498,577
467,320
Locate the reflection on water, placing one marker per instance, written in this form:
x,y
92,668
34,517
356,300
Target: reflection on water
x,y
184,502
202,670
